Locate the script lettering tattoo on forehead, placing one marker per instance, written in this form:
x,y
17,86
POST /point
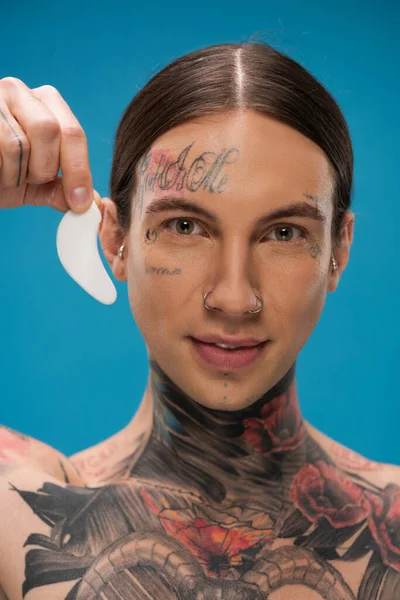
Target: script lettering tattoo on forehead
x,y
315,250
162,170
4,117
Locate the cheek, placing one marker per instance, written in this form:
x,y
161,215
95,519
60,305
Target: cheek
x,y
302,298
161,284
165,279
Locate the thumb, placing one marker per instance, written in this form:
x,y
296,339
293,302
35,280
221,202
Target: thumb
x,y
97,198
52,194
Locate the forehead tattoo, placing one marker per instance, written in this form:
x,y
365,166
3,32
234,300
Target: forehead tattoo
x,y
161,170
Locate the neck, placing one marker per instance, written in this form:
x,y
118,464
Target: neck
x,y
224,454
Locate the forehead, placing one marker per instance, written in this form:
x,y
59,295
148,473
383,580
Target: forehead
x,y
269,152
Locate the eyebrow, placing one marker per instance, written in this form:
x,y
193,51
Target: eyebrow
x,y
296,209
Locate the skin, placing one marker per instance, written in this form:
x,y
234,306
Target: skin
x,y
217,471
291,281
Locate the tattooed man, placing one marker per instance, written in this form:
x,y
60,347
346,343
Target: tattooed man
x,y
217,488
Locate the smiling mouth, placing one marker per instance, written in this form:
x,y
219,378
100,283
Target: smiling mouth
x,y
223,356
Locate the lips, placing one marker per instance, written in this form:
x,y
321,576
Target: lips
x,y
245,342
227,359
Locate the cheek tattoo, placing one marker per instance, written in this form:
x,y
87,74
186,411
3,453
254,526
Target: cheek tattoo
x,y
315,250
159,171
151,236
163,271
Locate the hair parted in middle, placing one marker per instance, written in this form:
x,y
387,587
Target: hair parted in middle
x,y
225,78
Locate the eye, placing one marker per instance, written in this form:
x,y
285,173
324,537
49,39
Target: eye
x,y
286,233
184,226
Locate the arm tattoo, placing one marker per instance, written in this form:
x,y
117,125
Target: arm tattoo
x,y
13,443
20,146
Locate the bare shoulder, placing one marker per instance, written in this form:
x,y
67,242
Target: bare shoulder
x,y
26,465
107,461
97,463
112,459
378,473
21,488
18,449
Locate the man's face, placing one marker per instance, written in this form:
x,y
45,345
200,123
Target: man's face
x,y
239,167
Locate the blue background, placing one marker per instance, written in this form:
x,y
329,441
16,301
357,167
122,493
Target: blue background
x,y
72,371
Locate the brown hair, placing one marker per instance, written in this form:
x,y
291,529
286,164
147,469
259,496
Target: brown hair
x,y
207,81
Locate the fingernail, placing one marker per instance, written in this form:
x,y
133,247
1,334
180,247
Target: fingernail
x,y
80,197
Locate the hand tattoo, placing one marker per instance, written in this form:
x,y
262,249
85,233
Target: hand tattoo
x,y
21,150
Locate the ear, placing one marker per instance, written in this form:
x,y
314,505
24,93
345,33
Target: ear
x,y
342,253
111,238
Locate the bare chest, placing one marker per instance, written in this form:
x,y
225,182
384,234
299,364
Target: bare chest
x,y
138,540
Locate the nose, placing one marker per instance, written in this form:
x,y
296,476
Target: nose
x,y
232,290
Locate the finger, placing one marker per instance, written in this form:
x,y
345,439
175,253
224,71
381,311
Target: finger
x,y
52,194
55,197
40,127
14,151
74,159
48,194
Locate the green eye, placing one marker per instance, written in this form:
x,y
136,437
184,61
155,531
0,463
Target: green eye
x,y
287,233
184,226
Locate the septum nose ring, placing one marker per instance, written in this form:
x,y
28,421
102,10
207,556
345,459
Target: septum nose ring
x,y
257,310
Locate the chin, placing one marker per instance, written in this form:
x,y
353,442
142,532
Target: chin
x,y
229,399
213,390
228,405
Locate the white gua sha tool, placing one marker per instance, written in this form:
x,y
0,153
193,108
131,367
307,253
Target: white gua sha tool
x,y
79,254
